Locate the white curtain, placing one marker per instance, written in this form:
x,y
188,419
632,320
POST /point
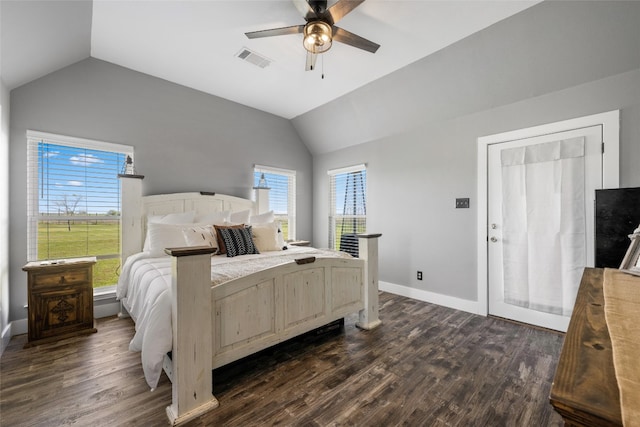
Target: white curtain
x,y
544,227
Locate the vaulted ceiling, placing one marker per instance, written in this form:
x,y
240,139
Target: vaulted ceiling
x,y
195,43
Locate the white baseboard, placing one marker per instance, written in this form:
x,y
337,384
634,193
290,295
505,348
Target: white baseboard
x,y
6,337
19,327
432,297
106,310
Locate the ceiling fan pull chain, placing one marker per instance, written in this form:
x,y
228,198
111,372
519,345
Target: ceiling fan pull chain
x,y
322,59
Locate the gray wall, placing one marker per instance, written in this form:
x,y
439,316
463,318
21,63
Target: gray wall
x,y
417,129
184,140
4,209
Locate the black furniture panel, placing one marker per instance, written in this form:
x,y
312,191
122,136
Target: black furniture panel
x,y
617,215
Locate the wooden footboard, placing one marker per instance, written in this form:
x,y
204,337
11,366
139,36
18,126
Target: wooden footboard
x,y
255,312
273,305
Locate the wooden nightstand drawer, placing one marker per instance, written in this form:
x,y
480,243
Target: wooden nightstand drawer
x,y
59,312
60,299
66,276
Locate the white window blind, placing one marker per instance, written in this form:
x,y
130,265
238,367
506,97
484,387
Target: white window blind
x,y
74,201
282,196
348,214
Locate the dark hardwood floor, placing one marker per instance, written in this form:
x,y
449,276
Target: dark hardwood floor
x,y
425,366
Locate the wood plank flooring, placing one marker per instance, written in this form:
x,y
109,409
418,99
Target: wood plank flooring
x,y
425,366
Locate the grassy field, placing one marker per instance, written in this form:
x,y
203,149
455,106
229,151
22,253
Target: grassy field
x,y
57,239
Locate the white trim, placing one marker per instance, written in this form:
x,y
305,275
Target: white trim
x,y
73,141
106,310
19,327
104,292
347,169
5,338
610,122
430,297
281,171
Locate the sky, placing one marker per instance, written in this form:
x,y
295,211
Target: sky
x,y
78,180
81,180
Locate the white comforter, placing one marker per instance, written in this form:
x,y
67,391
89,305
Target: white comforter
x,y
144,287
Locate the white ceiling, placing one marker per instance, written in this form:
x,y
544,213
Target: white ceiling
x,y
194,43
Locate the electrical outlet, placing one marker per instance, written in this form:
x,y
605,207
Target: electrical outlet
x,y
419,275
462,203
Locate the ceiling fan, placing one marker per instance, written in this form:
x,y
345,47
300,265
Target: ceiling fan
x,y
320,30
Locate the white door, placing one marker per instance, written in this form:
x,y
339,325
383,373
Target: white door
x,y
541,194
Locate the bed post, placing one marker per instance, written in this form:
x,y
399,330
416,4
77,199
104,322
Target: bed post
x,y
130,215
192,385
130,219
368,250
262,199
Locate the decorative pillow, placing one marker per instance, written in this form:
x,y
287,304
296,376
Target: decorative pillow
x,y
265,236
200,235
238,241
241,217
262,218
222,248
163,236
213,218
172,218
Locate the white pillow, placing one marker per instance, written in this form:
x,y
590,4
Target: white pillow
x,y
213,218
200,235
262,218
163,236
265,237
241,217
172,218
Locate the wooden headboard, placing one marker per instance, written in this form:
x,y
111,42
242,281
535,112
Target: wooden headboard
x,y
136,208
202,203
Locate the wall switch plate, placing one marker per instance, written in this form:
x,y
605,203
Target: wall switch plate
x,y
462,203
419,275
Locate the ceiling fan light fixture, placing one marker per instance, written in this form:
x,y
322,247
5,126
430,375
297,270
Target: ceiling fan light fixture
x,y
317,37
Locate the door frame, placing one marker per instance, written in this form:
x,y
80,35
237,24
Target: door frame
x,y
610,122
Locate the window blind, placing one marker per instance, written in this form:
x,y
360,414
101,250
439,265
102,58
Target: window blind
x,y
282,196
74,201
348,207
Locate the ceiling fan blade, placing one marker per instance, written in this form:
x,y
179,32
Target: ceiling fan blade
x,y
305,9
346,37
341,8
311,61
295,29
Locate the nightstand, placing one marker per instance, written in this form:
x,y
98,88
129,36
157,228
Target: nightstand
x,y
60,299
299,243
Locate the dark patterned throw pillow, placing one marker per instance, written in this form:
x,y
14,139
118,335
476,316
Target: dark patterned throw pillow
x,y
238,241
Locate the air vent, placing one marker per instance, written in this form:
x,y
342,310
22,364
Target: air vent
x,y
254,58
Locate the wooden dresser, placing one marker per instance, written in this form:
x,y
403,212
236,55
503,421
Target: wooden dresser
x,y
585,390
60,299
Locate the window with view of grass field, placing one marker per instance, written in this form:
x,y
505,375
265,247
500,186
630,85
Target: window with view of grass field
x,y
282,196
348,207
74,201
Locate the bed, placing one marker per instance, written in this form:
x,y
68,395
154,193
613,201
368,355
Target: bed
x,y
206,311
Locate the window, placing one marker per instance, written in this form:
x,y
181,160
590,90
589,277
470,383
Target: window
x,y
282,196
74,201
348,214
